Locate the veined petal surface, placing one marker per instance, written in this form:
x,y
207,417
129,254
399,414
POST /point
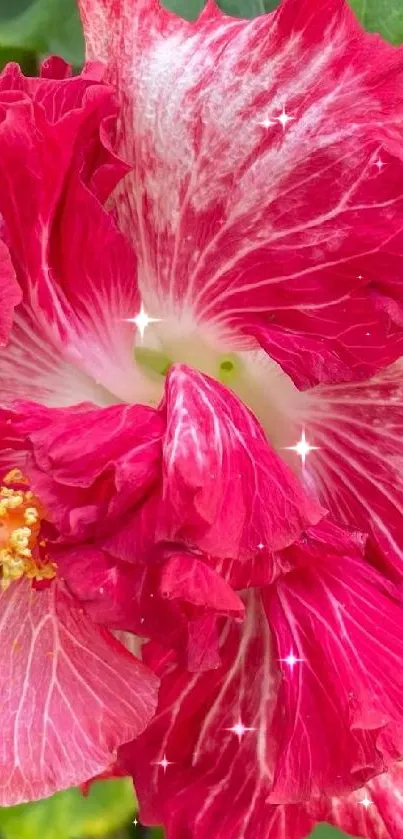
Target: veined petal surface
x,y
225,488
373,812
71,339
10,293
357,465
267,184
70,694
306,701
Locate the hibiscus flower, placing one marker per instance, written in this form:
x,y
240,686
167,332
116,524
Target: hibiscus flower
x,y
203,372
71,694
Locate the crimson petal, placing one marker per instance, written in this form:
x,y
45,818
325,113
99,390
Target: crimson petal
x,y
225,489
87,480
70,341
358,465
307,699
10,293
340,710
373,812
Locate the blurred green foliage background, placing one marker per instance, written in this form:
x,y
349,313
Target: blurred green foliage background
x,y
30,30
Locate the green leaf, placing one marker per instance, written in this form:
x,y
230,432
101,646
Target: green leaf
x,y
69,815
46,26
9,10
324,831
243,8
190,9
25,58
248,8
383,16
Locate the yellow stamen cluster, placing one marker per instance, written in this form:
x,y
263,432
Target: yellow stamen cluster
x,y
20,522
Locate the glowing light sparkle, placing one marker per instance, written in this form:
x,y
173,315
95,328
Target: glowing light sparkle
x,y
142,320
164,763
291,660
266,123
379,164
366,802
240,729
284,118
302,448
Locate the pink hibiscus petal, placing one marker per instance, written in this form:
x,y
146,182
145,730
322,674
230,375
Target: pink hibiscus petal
x,y
61,674
225,489
225,493
374,812
339,711
86,480
186,578
196,728
122,596
175,600
267,179
203,652
10,294
105,587
358,465
78,273
307,697
100,492
55,67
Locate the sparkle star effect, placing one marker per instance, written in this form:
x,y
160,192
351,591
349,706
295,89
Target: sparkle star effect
x,y
379,164
266,123
366,802
284,118
164,763
135,822
291,660
302,448
142,320
240,729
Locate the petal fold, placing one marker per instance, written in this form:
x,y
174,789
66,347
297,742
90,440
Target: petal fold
x,y
61,673
88,479
10,293
198,473
225,489
77,272
358,464
380,818
306,695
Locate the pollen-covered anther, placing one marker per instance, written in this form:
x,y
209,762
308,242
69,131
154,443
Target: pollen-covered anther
x,y
31,516
22,553
19,541
15,476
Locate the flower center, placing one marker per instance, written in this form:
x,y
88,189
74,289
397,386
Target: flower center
x,y
255,378
22,551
